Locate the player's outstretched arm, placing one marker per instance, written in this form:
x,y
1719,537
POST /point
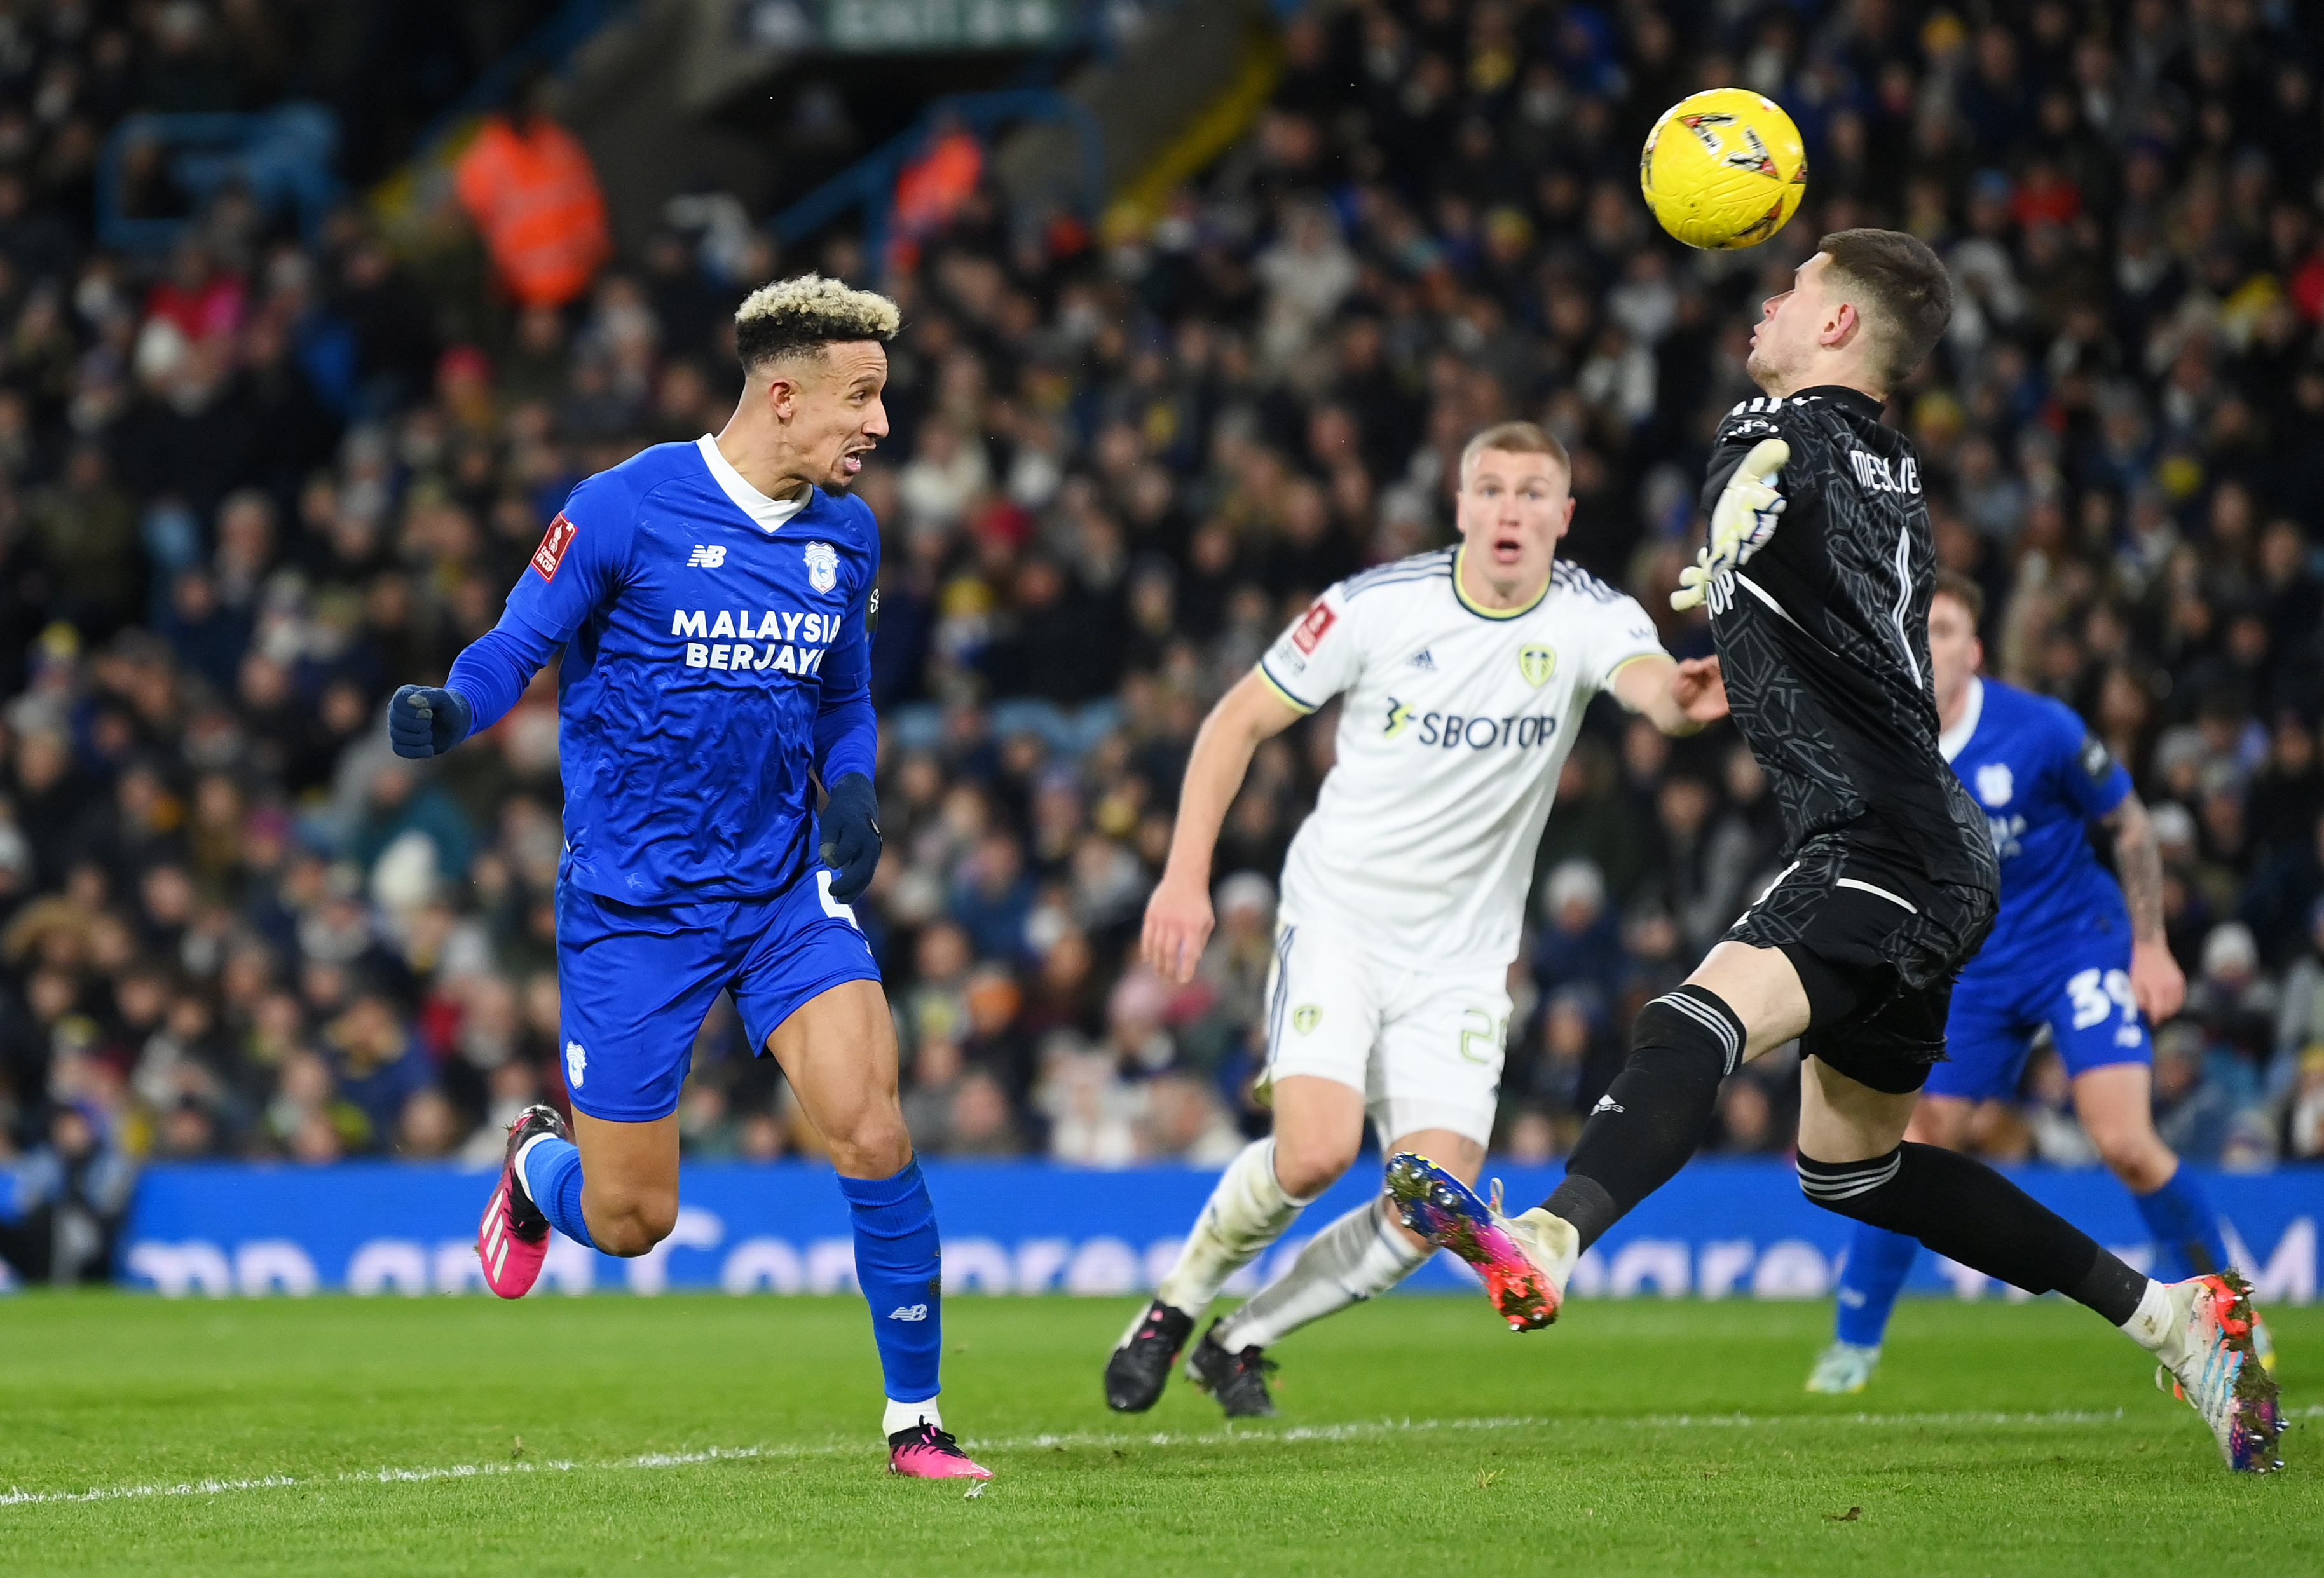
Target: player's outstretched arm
x,y
571,571
1742,519
1677,698
2156,982
1179,918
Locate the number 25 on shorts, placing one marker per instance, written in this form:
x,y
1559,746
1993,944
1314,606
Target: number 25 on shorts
x,y
1477,1027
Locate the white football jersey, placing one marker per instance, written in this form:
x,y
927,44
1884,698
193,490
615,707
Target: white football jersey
x,y
1456,720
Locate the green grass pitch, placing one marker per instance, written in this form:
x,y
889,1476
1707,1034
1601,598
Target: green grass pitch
x,y
713,1434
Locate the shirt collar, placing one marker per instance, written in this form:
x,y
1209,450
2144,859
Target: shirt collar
x,y
1840,394
771,514
1949,743
1480,609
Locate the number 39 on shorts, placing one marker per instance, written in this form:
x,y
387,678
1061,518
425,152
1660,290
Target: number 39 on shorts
x,y
2094,994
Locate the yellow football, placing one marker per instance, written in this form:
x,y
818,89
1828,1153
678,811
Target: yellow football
x,y
1723,169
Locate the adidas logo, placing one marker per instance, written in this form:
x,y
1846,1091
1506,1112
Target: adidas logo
x,y
1421,659
1607,1103
708,558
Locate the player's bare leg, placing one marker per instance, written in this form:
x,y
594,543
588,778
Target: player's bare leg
x,y
609,1186
629,1188
838,1051
2115,1102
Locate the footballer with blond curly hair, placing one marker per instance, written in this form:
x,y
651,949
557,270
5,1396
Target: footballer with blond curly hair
x,y
714,601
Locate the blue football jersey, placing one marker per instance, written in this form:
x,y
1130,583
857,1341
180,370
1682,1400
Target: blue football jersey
x,y
2039,775
705,623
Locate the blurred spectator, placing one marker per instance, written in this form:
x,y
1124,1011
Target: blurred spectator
x,y
2304,1139
1185,1122
980,1123
72,1192
377,1068
527,185
1582,942
1532,1140
1091,1111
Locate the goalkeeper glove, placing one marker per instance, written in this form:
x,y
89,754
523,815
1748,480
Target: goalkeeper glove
x,y
423,721
1741,522
851,836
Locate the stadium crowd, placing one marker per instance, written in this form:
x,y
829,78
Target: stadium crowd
x,y
249,485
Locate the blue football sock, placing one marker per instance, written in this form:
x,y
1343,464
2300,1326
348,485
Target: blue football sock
x,y
552,1176
1878,1261
896,1265
2186,1228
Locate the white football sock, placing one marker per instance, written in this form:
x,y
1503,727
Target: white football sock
x,y
2151,1323
1356,1257
1247,1212
909,1415
523,1152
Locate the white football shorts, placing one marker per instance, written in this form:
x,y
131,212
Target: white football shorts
x,y
1423,1046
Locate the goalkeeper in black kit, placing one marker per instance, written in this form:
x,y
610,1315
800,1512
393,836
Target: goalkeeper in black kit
x,y
1817,577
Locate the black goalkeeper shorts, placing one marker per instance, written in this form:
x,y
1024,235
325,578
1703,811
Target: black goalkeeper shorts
x,y
1878,945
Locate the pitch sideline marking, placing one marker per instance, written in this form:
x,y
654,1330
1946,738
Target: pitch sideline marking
x,y
1356,1431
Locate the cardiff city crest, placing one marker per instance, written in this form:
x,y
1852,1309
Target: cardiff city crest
x,y
822,567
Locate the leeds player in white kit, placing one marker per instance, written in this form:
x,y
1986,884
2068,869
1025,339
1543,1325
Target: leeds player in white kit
x,y
1463,674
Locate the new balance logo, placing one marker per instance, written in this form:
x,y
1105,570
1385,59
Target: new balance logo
x,y
1607,1103
1421,659
909,1312
708,558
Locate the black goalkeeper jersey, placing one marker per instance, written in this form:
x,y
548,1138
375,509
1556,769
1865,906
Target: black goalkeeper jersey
x,y
1823,639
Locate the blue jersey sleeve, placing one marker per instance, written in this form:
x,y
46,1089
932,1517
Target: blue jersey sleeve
x,y
846,725
577,565
2087,772
493,669
581,562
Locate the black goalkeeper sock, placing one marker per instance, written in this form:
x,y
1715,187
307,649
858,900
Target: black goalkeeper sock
x,y
1966,1211
1653,1116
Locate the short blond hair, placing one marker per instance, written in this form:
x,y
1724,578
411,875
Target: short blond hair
x,y
1515,438
805,314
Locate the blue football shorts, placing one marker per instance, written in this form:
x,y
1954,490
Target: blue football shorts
x,y
635,980
2081,992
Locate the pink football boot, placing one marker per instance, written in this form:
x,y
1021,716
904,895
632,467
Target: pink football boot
x,y
513,1238
928,1451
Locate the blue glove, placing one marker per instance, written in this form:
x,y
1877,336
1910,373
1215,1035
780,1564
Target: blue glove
x,y
851,836
424,720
